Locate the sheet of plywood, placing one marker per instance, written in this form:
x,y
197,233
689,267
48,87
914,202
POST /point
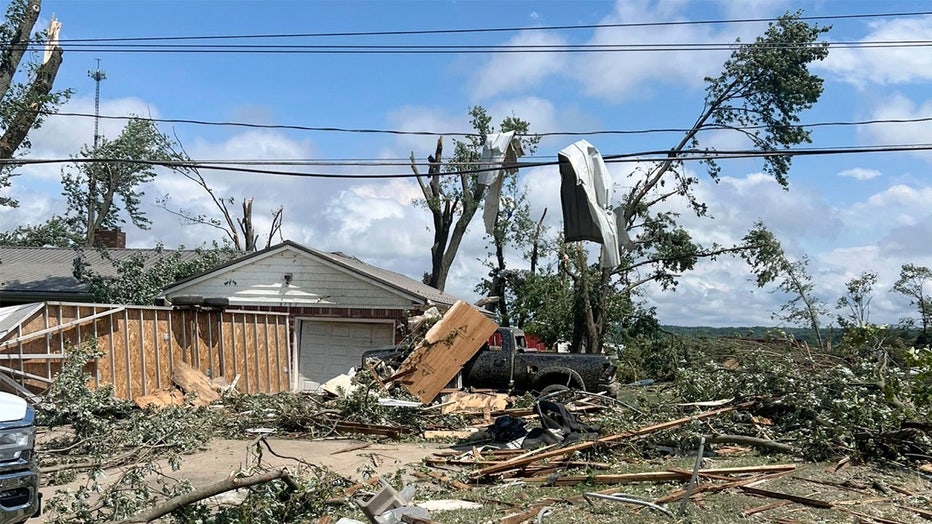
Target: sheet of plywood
x,y
448,345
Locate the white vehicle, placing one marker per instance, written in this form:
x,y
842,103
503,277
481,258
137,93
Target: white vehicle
x,y
19,475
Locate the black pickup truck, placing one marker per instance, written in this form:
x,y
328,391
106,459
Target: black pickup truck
x,y
508,365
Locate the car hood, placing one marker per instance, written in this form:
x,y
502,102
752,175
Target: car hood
x,y
12,408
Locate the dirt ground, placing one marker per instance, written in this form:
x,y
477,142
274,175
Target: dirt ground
x,y
860,493
352,459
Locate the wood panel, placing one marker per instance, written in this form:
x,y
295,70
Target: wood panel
x,y
446,347
138,346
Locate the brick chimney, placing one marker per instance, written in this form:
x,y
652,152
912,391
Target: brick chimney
x,y
111,238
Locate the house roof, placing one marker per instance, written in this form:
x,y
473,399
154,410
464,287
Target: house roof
x,y
35,274
46,273
397,281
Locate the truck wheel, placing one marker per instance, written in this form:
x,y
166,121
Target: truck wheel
x,y
565,378
553,388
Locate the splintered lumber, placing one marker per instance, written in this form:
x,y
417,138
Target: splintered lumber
x,y
465,403
525,515
446,347
659,476
193,382
160,399
522,461
816,503
370,429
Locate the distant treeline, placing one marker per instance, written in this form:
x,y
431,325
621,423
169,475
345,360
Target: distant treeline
x,y
774,333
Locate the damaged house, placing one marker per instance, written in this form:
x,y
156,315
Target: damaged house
x,y
339,306
330,306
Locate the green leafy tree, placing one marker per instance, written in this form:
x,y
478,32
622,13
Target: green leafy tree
x,y
140,277
23,104
454,199
769,263
912,285
856,303
55,232
109,179
763,87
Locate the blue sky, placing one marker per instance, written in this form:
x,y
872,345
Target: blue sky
x,y
847,213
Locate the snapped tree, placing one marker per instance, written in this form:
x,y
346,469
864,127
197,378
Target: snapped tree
x,y
769,263
22,105
763,87
454,199
856,302
240,232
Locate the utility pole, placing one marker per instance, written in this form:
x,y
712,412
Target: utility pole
x,y
97,75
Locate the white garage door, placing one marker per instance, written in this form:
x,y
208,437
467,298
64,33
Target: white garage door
x,y
328,348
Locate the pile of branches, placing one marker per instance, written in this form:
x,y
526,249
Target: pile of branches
x,y
868,402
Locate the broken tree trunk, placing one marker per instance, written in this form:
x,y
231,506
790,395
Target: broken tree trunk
x,y
206,492
194,382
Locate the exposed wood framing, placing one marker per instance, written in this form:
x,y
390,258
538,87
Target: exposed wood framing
x,y
140,344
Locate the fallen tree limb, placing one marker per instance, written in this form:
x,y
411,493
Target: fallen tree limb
x,y
744,440
206,492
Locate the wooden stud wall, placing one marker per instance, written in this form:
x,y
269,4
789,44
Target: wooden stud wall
x,y
138,345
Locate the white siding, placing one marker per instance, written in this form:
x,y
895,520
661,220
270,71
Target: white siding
x,y
313,282
329,348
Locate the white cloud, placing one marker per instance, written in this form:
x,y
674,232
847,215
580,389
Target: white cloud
x,y
619,75
518,72
899,107
885,65
63,136
422,118
860,173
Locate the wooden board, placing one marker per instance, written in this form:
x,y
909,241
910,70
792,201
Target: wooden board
x,y
448,345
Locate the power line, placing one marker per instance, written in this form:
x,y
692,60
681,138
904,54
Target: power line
x,y
638,157
327,129
478,49
494,29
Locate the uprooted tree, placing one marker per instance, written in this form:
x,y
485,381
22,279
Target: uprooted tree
x,y
22,105
763,87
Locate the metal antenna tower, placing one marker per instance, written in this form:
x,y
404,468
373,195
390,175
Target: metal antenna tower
x,y
97,75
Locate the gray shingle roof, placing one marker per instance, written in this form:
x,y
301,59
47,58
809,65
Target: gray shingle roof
x,y
48,270
46,273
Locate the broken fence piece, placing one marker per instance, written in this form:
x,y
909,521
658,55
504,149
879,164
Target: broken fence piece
x,y
370,429
816,503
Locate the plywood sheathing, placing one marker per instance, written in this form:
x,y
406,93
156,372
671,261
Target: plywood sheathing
x,y
138,346
446,347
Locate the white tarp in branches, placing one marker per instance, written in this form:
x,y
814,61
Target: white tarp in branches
x,y
499,149
586,197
